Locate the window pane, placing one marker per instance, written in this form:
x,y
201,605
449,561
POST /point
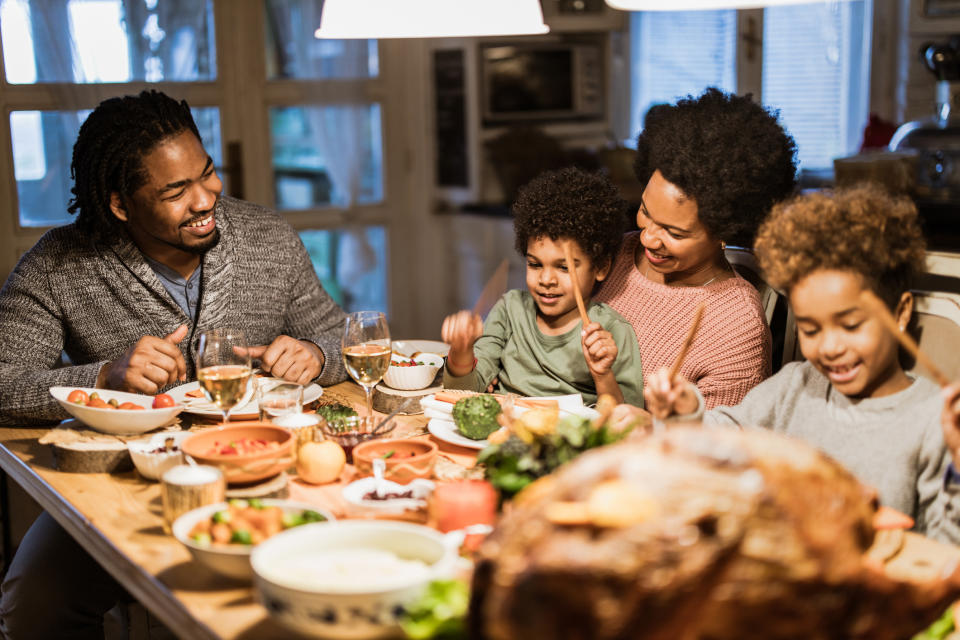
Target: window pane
x,y
89,41
326,155
815,71
293,52
42,149
352,265
679,53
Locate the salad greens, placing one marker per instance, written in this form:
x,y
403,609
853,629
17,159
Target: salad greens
x,y
439,614
941,627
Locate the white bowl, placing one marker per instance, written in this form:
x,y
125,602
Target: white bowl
x,y
152,465
232,560
347,611
117,421
422,490
417,377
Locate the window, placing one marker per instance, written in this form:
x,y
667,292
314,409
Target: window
x,y
811,62
291,122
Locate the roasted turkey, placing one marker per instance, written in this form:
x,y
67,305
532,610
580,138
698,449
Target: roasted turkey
x,y
696,534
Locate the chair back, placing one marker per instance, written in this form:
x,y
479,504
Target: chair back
x,y
936,327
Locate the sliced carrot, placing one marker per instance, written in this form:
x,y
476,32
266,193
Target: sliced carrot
x,y
887,518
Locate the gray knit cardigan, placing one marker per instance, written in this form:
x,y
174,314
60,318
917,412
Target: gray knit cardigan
x,y
95,300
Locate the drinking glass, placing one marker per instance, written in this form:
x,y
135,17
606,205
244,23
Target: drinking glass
x,y
276,399
224,370
366,351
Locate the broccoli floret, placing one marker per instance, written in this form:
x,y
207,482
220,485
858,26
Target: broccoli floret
x,y
476,416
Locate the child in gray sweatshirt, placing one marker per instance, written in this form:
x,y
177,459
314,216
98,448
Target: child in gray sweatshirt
x,y
851,397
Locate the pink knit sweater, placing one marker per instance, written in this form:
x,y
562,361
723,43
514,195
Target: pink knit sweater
x,y
731,351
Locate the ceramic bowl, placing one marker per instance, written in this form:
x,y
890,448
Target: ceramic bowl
x,y
117,421
415,377
297,589
405,458
355,493
243,467
150,462
231,560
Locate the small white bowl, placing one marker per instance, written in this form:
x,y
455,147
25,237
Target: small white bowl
x,y
422,490
416,377
348,611
232,560
117,421
152,464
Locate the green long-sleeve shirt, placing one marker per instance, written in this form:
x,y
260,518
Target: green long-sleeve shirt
x,y
527,362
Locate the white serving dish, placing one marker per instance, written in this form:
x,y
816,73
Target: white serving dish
x,y
233,560
421,488
417,377
349,612
117,421
152,465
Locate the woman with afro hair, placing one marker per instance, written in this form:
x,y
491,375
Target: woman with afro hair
x,y
712,167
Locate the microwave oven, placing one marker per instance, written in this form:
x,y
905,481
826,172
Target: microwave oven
x,y
541,82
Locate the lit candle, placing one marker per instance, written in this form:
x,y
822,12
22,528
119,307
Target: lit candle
x,y
457,505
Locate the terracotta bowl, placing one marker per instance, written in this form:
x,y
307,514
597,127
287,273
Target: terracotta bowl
x,y
411,458
240,468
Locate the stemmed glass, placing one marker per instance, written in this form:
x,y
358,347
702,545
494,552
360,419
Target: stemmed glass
x,y
366,351
224,369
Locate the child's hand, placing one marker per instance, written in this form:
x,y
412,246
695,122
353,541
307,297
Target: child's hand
x,y
665,397
599,349
460,331
950,421
625,416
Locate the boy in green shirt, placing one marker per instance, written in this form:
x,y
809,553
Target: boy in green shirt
x,y
533,343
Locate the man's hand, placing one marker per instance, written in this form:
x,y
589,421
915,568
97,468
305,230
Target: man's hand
x,y
147,366
293,360
460,331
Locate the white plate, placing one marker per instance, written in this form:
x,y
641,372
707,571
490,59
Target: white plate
x,y
249,411
572,404
447,431
117,421
407,347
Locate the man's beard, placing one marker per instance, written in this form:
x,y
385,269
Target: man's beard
x,y
208,243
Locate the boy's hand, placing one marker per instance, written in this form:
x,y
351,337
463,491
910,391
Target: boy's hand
x,y
599,349
460,331
665,397
950,421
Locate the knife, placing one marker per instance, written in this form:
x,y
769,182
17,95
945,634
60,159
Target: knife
x,y
492,291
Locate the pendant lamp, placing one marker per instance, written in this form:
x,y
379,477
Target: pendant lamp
x,y
703,5
343,19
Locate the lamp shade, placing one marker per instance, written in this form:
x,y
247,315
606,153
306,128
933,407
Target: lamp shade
x,y
701,5
344,19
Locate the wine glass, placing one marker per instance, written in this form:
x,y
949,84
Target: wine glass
x,y
224,370
366,351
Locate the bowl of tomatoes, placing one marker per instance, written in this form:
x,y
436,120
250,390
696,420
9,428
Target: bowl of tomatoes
x,y
117,412
412,372
244,452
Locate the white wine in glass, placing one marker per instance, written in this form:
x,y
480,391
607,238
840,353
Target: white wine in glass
x,y
366,350
224,370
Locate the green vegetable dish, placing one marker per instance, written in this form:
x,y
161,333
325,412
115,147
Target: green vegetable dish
x,y
476,416
335,413
439,614
248,522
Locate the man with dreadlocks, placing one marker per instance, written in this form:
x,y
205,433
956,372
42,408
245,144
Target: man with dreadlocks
x,y
155,256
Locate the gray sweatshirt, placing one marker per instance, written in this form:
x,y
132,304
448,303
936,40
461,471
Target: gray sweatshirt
x,y
893,443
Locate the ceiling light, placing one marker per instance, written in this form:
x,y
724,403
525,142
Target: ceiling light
x,y
703,5
342,19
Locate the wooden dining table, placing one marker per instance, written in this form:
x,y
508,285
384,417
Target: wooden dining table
x,y
117,519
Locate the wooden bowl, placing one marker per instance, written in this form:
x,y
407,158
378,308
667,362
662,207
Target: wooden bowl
x,y
240,468
411,458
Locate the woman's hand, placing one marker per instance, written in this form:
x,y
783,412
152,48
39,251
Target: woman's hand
x,y
460,331
950,421
599,349
665,397
627,416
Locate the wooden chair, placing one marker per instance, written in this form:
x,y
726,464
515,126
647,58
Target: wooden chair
x,y
936,327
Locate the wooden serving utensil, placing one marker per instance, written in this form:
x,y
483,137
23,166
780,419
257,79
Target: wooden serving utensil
x,y
492,291
572,270
688,341
882,313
